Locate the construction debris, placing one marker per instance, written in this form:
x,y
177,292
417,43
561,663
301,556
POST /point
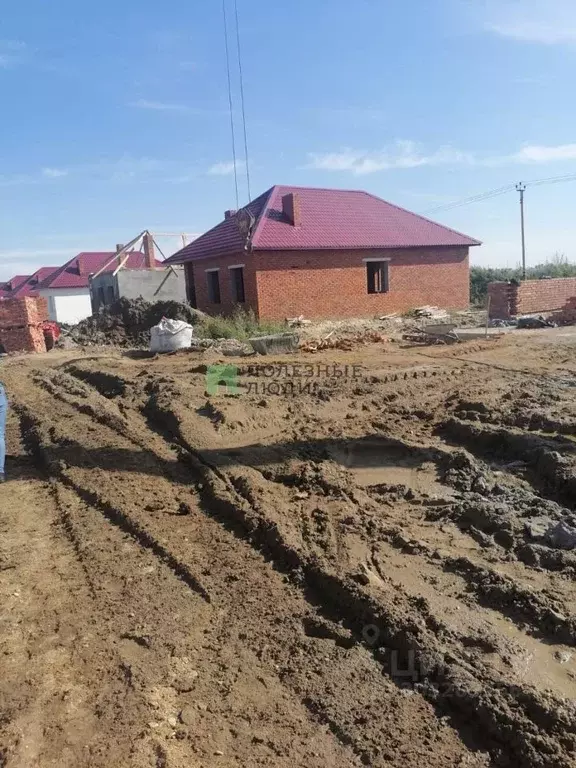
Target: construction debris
x,y
345,344
531,322
298,322
127,323
434,313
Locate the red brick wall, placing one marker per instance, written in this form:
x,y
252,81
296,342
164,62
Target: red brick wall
x,y
544,295
20,324
530,296
328,284
227,305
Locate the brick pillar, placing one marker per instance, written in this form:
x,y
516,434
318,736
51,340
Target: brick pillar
x,y
149,252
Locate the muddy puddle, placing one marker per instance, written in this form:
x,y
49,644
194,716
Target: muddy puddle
x,y
379,461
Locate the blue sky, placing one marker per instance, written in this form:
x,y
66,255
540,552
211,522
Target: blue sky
x,y
115,115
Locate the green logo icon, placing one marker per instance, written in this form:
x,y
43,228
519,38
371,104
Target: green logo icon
x,y
222,375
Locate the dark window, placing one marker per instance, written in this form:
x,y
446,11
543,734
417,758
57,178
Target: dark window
x,y
377,274
101,298
237,282
110,297
213,287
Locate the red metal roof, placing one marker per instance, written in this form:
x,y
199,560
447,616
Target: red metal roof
x,y
330,219
224,238
14,283
30,286
75,273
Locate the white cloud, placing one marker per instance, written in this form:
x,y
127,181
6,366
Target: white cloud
x,y
159,106
409,154
225,168
403,154
536,21
541,154
54,173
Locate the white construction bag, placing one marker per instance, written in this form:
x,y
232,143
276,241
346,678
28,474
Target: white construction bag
x,y
170,335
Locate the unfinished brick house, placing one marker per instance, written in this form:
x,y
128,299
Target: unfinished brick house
x,y
325,253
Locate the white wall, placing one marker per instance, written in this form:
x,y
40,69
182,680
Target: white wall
x,y
68,305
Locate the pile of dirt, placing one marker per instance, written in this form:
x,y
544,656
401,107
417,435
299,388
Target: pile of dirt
x,y
127,323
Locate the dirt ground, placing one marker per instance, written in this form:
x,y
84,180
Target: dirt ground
x,y
368,565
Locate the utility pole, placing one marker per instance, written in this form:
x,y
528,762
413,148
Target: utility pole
x,y
521,187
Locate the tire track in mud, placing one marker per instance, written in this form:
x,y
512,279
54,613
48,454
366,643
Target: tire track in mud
x,y
548,459
155,627
36,445
452,689
328,697
543,618
333,593
61,681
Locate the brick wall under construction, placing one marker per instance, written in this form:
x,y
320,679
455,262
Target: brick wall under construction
x,y
530,296
21,324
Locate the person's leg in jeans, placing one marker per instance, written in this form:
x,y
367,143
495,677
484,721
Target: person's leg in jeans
x,y
3,411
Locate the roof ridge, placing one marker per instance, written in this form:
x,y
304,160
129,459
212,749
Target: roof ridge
x,y
321,189
259,224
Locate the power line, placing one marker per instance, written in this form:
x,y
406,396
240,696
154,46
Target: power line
x,y
242,99
230,101
552,180
474,199
500,191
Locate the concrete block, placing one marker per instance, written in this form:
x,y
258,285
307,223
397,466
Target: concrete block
x,y
272,345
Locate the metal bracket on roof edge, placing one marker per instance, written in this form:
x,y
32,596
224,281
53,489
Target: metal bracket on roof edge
x,y
246,222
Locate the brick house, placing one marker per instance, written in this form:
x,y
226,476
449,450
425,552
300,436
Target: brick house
x,y
325,253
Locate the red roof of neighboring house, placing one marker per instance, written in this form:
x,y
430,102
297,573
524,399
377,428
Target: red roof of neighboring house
x,y
8,288
30,286
330,219
75,273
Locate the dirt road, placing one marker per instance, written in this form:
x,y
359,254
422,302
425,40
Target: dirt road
x,y
344,559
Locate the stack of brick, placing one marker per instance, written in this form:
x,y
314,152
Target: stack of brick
x,y
21,324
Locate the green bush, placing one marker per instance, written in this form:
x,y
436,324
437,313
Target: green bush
x,y
241,325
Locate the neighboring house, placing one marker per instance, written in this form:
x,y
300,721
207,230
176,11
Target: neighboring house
x,y
29,287
8,289
325,253
68,288
153,283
